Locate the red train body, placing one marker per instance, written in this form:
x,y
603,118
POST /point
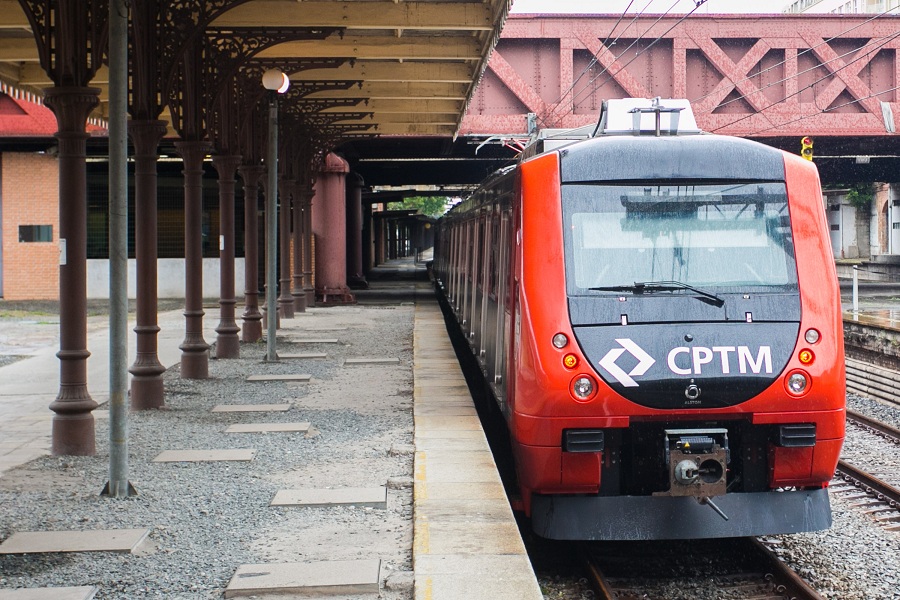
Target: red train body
x,y
658,318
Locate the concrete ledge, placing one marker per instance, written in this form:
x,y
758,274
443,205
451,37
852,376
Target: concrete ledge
x,y
374,497
466,543
100,540
279,377
268,428
85,592
340,577
204,455
231,408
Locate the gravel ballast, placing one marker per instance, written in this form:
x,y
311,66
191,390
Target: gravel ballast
x,y
206,519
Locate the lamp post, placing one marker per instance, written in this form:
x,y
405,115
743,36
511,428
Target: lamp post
x,y
276,82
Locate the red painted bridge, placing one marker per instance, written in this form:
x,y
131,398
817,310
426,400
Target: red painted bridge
x,y
746,75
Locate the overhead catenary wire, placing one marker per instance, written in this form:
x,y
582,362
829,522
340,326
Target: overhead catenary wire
x,y
591,90
594,59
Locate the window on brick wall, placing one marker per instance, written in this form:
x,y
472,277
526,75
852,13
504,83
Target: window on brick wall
x,y
35,233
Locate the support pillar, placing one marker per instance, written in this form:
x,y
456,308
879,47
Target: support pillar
x,y
147,372
73,423
264,181
330,228
252,327
285,299
227,343
355,277
308,288
194,349
297,201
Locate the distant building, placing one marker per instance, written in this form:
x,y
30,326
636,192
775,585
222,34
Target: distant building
x,y
841,7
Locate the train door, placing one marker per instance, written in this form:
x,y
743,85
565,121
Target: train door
x,y
455,267
502,328
486,270
466,290
472,297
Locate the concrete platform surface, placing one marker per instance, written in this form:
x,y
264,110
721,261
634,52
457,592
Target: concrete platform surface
x,y
335,578
100,540
241,408
205,455
303,355
375,497
267,428
371,361
289,377
84,592
466,543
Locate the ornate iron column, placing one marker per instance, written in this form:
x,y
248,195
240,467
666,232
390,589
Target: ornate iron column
x,y
147,389
285,299
73,424
227,343
355,277
71,38
146,130
252,327
298,199
194,349
308,288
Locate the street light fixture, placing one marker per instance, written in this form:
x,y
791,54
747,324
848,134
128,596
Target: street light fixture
x,y
276,82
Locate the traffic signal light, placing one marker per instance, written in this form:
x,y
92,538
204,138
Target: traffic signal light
x,y
806,145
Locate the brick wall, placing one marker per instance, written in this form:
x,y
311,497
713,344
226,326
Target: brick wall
x,y
29,184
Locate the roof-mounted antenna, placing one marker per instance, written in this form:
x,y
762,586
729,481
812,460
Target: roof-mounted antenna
x,y
655,108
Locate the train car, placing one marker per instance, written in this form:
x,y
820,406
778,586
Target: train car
x,y
656,312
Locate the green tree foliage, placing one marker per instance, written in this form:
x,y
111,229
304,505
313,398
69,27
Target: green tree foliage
x,y
433,206
861,194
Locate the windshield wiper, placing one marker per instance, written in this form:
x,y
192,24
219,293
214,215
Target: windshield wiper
x,y
651,287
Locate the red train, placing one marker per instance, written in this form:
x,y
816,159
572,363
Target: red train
x,y
657,314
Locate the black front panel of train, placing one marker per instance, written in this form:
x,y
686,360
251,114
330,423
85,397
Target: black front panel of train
x,y
688,365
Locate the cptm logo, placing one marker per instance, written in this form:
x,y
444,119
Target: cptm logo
x,y
645,361
688,361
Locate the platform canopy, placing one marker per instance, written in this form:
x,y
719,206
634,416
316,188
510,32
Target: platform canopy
x,y
366,67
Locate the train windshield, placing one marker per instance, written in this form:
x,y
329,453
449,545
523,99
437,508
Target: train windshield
x,y
729,237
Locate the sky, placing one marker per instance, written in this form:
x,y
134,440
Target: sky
x,y
652,6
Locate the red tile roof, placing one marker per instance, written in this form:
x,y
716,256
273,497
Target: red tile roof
x,y
21,118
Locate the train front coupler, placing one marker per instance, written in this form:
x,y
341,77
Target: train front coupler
x,y
697,461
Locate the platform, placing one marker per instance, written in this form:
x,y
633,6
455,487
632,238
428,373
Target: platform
x,y
387,490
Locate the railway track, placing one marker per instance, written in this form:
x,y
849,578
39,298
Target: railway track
x,y
877,427
877,498
741,568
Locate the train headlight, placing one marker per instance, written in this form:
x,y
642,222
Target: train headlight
x,y
798,383
583,387
570,361
812,336
560,340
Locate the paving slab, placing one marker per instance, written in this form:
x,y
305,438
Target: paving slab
x,y
340,577
100,540
310,355
84,592
375,497
228,408
373,360
267,427
205,455
289,377
312,340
